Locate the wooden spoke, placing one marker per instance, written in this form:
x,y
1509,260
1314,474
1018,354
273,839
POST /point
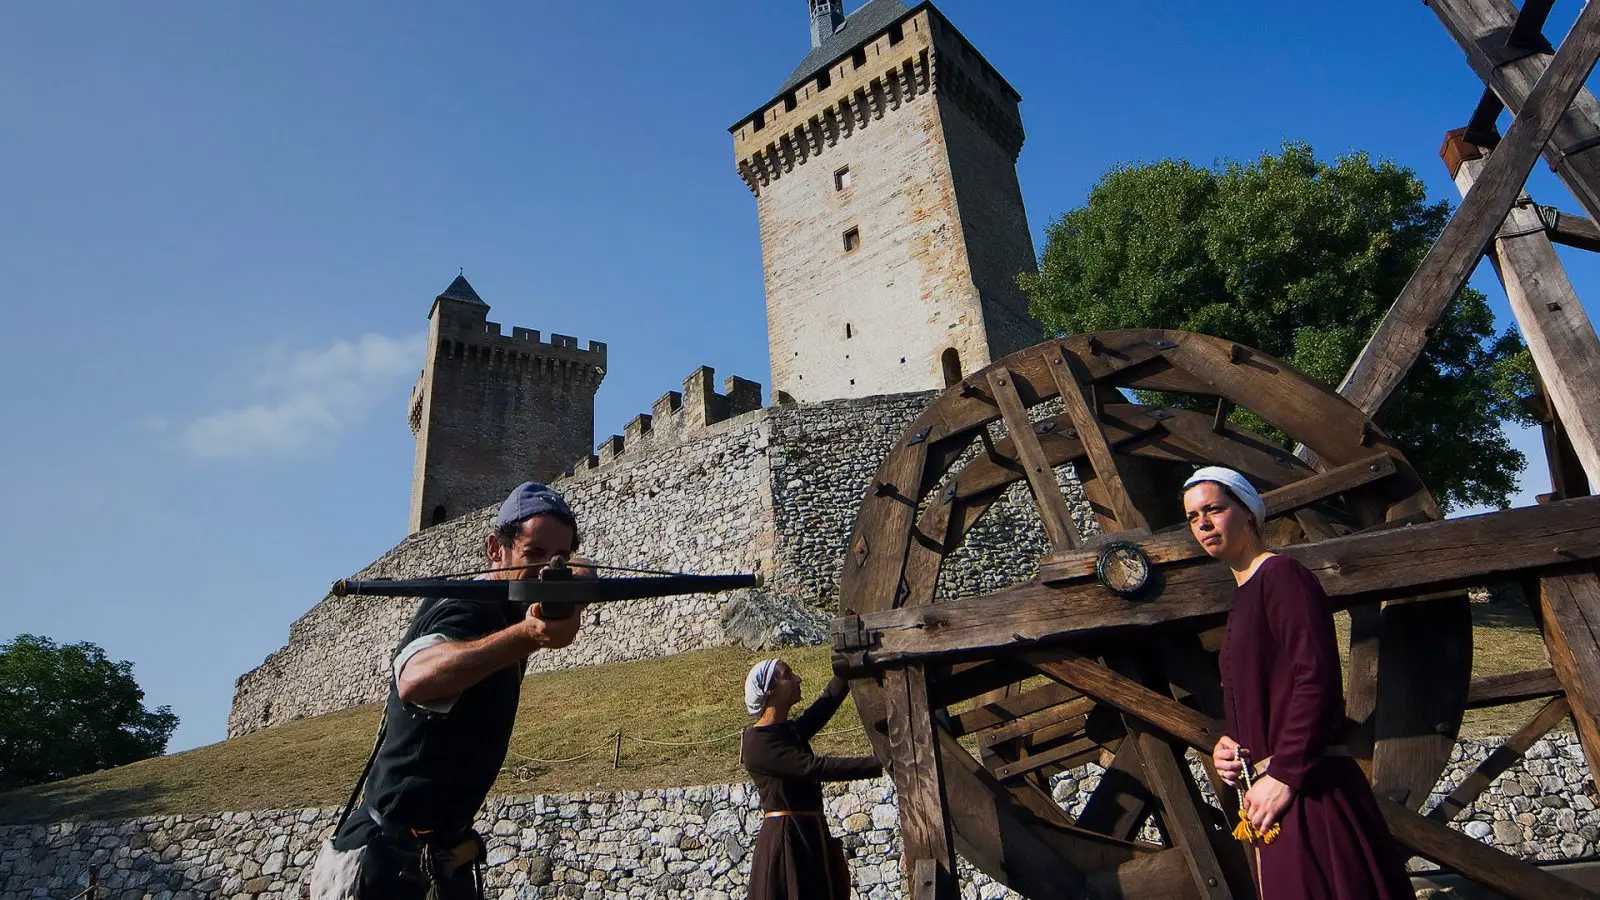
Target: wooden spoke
x,y
999,712
1105,465
1571,611
1498,690
1058,524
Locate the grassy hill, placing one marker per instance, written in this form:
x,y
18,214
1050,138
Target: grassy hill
x,y
679,717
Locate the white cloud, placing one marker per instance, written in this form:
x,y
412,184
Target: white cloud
x,y
306,399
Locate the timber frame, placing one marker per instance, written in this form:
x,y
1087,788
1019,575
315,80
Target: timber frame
x,y
972,703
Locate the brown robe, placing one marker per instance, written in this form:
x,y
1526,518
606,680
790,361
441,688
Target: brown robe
x,y
1284,698
791,858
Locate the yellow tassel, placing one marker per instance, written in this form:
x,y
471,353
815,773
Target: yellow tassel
x,y
1247,833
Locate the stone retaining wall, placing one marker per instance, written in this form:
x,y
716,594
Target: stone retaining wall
x,y
676,844
774,490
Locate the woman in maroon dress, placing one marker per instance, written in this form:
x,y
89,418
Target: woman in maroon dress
x,y
795,858
1284,700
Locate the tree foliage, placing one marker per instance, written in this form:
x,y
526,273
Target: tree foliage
x,y
65,711
1300,258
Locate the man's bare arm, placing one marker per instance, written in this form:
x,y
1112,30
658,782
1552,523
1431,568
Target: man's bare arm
x,y
446,669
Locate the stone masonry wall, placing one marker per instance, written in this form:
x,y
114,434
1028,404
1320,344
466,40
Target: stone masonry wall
x,y
675,844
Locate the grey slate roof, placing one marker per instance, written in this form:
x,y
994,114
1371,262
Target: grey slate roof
x,y
460,290
870,19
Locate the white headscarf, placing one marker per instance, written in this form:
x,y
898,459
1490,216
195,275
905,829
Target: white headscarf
x,y
1238,484
758,683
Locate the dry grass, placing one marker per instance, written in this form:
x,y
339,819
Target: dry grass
x,y
691,699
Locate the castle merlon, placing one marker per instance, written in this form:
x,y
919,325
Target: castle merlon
x,y
918,53
676,415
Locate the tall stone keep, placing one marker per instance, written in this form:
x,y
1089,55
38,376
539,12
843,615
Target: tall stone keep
x,y
892,224
490,411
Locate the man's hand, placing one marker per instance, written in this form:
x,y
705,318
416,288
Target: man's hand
x,y
1266,801
550,634
1225,756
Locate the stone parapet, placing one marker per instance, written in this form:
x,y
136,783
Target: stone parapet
x,y
675,417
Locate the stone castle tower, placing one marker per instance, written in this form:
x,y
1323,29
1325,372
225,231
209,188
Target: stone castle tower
x,y
892,224
491,411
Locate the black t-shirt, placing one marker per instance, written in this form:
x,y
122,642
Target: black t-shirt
x,y
435,769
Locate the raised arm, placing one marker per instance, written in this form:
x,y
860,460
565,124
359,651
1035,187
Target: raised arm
x,y
822,709
785,759
452,662
1301,620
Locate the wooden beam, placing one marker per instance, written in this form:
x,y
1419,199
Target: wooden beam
x,y
1498,690
1360,568
1070,386
1180,811
1480,862
919,781
1504,757
1560,337
1034,761
1571,229
1052,506
1073,710
1570,607
999,712
1477,25
1120,801
1401,336
1129,697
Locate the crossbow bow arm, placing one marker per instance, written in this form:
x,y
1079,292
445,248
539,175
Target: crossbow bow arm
x,y
525,592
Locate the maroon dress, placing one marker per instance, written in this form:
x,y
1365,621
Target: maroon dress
x,y
1285,699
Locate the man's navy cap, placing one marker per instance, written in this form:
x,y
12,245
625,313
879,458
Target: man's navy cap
x,y
531,499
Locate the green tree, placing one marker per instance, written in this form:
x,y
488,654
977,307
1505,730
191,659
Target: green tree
x,y
69,710
1301,259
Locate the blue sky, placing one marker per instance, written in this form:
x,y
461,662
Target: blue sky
x,y
224,224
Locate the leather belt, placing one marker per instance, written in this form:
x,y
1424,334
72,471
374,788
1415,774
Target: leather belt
x,y
780,813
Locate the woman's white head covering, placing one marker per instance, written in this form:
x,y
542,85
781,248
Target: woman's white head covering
x,y
1238,484
757,684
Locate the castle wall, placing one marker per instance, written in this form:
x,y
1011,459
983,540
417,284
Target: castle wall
x,y
689,843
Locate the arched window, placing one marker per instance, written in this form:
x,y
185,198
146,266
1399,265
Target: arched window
x,y
438,515
950,361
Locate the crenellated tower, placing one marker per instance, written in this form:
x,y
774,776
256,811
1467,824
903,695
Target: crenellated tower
x,y
491,411
892,224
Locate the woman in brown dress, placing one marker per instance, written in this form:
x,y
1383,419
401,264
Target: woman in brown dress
x,y
1284,700
795,858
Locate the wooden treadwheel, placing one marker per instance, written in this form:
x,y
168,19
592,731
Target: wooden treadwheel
x,y
991,704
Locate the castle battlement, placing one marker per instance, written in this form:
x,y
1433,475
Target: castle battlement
x,y
467,332
676,416
916,54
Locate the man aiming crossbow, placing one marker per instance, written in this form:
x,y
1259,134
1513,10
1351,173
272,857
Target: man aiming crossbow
x,y
453,701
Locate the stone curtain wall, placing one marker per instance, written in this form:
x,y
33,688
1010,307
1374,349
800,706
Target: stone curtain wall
x,y
677,844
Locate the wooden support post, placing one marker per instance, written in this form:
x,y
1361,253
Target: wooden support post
x,y
1400,337
919,784
1570,606
1480,25
1560,337
1180,811
1571,229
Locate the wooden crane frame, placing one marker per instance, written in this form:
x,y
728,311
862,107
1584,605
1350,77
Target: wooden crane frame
x,y
1107,654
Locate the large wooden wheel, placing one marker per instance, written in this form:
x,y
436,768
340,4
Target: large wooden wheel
x,y
993,718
